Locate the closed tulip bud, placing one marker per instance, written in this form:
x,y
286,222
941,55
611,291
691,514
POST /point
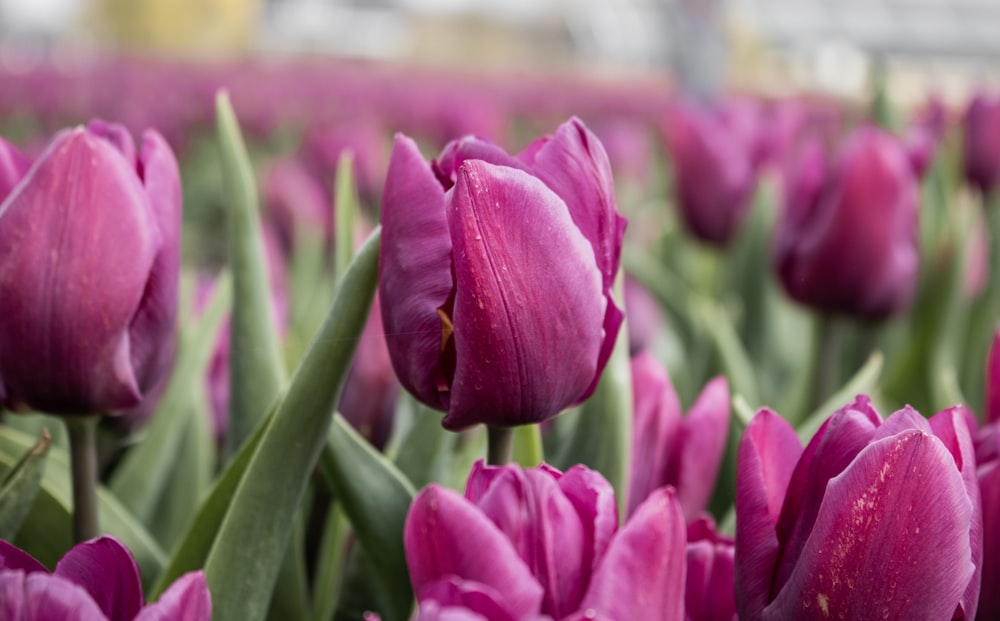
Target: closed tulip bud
x,y
988,471
89,261
981,154
495,275
847,241
669,448
541,544
872,520
710,573
713,155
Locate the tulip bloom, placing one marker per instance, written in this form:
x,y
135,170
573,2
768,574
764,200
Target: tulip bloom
x,y
874,519
847,241
89,262
97,580
495,275
710,573
714,169
988,471
541,544
670,449
981,154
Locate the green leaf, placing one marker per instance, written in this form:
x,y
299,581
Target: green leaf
x,y
242,566
141,477
864,381
20,486
47,532
257,374
330,563
600,434
424,450
346,206
375,496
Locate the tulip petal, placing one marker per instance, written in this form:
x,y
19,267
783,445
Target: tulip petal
x,y
187,599
76,246
446,535
594,499
106,569
13,557
117,135
656,425
456,152
155,323
463,599
414,271
992,414
44,597
699,451
989,487
575,166
527,338
642,575
709,594
13,168
766,460
891,539
951,427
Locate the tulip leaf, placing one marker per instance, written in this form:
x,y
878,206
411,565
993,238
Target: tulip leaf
x,y
738,367
242,565
256,370
375,496
47,532
346,205
600,434
425,448
862,382
145,471
191,553
330,563
20,486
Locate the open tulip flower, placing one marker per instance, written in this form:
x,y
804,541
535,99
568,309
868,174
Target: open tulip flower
x,y
540,544
97,580
495,275
709,592
89,261
872,520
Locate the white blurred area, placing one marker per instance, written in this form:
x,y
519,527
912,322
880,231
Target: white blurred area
x,y
830,46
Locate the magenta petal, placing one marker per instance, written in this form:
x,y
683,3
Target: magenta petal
x,y
656,425
446,535
13,168
642,575
993,381
451,598
575,166
187,599
117,135
44,597
767,456
106,569
702,441
456,152
989,487
13,557
594,499
414,271
528,303
77,242
891,539
709,594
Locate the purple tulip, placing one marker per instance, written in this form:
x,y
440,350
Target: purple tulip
x,y
89,263
709,594
495,275
988,470
294,197
714,169
847,241
981,154
924,136
97,580
670,449
645,317
540,544
874,519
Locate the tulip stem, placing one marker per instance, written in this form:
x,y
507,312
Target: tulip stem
x,y
499,445
83,461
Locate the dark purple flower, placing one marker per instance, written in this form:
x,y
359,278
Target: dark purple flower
x,y
847,241
981,154
89,266
495,275
709,594
540,544
97,580
669,448
873,519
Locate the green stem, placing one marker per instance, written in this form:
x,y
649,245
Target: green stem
x,y
827,360
500,445
83,461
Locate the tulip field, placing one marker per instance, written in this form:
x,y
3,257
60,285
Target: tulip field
x,y
320,341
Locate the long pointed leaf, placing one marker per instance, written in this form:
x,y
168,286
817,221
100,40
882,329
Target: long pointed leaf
x,y
20,486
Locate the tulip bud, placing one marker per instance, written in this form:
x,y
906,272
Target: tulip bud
x,y
495,275
710,570
981,148
874,519
847,241
89,262
714,169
